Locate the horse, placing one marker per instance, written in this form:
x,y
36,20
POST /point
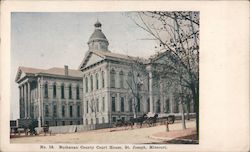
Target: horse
x,y
139,120
151,120
170,119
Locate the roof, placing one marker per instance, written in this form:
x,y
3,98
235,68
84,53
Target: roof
x,y
97,35
111,56
29,71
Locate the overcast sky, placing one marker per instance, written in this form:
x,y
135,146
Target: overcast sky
x,y
45,40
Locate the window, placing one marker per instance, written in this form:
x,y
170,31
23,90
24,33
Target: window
x,y
77,92
62,91
71,122
112,78
113,104
54,90
78,122
91,121
91,83
78,111
97,81
63,111
70,92
123,119
86,84
97,121
122,104
139,105
97,105
70,111
46,90
114,119
148,105
87,107
121,80
54,111
167,106
103,120
158,106
103,104
130,105
63,123
103,82
130,79
86,121
46,110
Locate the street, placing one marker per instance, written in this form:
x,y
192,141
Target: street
x,y
106,136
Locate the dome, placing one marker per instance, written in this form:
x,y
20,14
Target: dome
x,y
98,34
98,40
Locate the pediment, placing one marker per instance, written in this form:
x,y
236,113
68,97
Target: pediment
x,y
90,59
93,59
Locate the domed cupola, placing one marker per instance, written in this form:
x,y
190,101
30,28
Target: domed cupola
x,y
98,40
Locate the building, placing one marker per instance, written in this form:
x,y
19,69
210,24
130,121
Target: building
x,y
52,96
106,87
110,83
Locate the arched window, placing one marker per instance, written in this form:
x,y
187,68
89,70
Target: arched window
x,y
86,84
121,80
112,78
70,92
77,92
86,121
91,83
103,82
97,81
54,90
46,90
62,91
122,104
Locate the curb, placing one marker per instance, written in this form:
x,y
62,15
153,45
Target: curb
x,y
169,138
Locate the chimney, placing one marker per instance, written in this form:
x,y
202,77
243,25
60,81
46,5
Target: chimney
x,y
66,70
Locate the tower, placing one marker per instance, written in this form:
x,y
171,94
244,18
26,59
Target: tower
x,y
98,41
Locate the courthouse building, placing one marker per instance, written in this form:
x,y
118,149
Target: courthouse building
x,y
102,90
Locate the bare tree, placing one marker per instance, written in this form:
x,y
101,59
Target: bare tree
x,y
135,84
177,37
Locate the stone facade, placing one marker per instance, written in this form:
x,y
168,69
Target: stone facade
x,y
52,99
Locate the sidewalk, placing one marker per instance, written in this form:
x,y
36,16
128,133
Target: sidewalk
x,y
177,136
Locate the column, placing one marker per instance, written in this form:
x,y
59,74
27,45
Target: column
x,y
161,96
151,91
29,101
20,102
39,103
25,100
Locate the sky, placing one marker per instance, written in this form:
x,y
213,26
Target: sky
x,y
46,40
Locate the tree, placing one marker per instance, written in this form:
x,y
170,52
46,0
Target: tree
x,y
177,37
135,82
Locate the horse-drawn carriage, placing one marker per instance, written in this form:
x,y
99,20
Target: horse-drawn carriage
x,y
145,119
